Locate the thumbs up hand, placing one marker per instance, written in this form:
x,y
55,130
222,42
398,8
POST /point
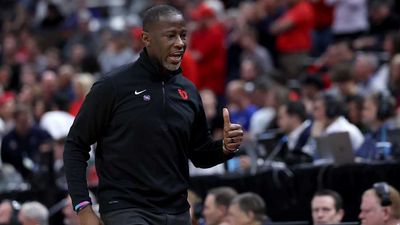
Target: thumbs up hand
x,y
233,134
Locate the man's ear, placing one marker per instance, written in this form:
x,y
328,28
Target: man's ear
x,y
387,213
340,214
146,38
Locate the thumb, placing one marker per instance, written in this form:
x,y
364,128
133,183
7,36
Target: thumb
x,y
227,120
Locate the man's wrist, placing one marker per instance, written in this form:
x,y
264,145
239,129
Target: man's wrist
x,y
82,206
226,150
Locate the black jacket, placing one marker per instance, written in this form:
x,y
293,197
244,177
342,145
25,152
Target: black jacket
x,y
147,123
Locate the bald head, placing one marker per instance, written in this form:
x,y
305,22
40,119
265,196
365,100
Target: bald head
x,y
153,15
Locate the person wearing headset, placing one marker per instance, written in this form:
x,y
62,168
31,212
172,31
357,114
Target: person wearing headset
x,y
380,205
328,118
378,110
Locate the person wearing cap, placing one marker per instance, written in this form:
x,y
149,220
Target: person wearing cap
x,y
207,43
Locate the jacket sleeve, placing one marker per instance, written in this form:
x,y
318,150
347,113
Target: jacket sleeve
x,y
87,128
204,151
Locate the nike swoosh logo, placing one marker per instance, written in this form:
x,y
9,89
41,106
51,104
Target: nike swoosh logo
x,y
139,92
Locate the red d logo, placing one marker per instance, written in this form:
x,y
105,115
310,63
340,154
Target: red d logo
x,y
183,94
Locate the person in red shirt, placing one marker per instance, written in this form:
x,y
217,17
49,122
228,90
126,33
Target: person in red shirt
x,y
189,68
322,35
294,40
208,49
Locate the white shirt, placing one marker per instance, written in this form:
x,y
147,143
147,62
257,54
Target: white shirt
x,y
215,170
261,119
349,16
341,124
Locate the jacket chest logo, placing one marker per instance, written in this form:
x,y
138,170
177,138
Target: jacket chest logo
x,y
146,98
184,95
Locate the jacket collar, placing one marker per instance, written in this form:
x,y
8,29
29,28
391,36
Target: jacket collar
x,y
156,71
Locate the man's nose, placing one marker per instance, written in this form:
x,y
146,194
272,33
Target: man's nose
x,y
320,213
179,42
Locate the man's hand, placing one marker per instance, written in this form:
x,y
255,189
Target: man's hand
x,y
88,217
233,134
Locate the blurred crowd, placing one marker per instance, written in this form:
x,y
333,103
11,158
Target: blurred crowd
x,y
289,71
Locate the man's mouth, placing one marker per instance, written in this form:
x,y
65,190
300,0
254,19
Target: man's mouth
x,y
175,57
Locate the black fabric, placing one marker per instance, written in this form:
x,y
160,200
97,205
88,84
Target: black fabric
x,y
136,216
147,123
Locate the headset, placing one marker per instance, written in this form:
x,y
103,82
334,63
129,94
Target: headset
x,y
386,106
333,106
383,191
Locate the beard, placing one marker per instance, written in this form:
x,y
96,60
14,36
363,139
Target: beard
x,y
170,66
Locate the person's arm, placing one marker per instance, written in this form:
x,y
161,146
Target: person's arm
x,y
350,2
281,26
332,2
87,128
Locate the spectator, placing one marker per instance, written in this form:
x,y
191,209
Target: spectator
x,y
382,20
116,53
354,109
378,115
239,103
250,70
208,49
33,213
253,50
195,207
350,18
343,81
216,205
322,34
7,108
294,122
271,10
328,118
266,98
81,86
394,78
294,41
48,87
380,205
66,73
364,72
24,146
189,68
326,207
9,212
214,118
247,209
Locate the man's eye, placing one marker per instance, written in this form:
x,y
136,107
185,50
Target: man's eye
x,y
183,36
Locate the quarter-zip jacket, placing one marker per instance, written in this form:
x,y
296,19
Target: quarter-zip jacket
x,y
147,124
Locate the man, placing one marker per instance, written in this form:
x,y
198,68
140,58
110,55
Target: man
x,y
293,121
33,213
326,207
147,120
216,205
380,205
377,114
247,209
365,74
26,146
